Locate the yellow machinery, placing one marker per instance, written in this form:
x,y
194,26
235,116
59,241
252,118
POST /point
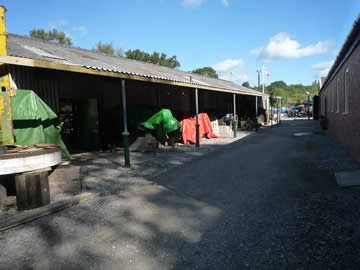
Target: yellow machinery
x,y
6,125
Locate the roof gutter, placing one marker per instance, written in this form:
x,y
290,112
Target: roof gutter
x,y
20,61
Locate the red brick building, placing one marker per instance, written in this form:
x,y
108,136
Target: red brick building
x,y
340,93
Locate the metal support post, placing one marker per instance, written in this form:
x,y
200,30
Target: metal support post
x,y
6,124
256,105
308,105
280,112
235,123
197,118
126,132
271,115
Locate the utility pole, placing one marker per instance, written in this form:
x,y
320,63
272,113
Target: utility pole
x,y
258,72
263,77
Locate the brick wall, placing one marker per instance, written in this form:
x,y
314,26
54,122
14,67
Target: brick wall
x,y
346,126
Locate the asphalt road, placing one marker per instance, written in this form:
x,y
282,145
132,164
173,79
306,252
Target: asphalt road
x,y
268,201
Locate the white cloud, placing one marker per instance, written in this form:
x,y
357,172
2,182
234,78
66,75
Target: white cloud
x,y
81,29
228,65
335,51
231,70
225,2
282,46
57,24
235,77
193,3
197,3
322,68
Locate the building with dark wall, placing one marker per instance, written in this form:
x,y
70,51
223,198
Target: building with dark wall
x,y
340,93
78,83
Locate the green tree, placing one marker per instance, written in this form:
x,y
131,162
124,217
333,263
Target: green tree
x,y
293,94
51,35
278,84
246,84
280,92
206,71
105,48
154,58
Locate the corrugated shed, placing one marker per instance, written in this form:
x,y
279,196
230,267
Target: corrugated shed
x,y
46,88
25,47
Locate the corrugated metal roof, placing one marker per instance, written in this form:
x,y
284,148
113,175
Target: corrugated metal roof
x,y
36,49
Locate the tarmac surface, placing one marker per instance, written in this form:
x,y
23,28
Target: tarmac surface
x,y
266,201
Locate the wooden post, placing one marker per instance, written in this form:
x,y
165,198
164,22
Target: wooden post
x,y
32,189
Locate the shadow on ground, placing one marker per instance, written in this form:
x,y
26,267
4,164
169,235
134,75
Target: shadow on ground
x,y
267,201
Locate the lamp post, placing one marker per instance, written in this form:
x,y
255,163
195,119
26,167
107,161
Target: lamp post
x,y
308,105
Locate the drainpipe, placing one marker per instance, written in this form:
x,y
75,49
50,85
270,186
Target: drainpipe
x,y
235,124
126,132
197,118
6,124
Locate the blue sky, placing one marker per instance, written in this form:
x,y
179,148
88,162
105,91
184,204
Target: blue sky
x,y
296,40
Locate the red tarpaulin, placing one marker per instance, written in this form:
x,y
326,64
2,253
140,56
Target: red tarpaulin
x,y
188,127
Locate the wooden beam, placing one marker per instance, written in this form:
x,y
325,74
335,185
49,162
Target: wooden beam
x,y
13,60
30,215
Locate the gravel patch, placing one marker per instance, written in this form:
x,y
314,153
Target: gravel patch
x,y
267,201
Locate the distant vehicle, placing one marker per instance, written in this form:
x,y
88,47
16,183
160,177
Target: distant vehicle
x,y
292,111
298,111
303,111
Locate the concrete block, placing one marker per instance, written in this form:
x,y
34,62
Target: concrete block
x,y
348,178
65,180
215,127
225,131
144,142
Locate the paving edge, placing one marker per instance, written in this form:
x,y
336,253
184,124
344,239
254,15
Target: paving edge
x,y
31,215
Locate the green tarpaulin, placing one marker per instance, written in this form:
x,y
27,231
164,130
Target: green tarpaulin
x,y
146,117
34,122
162,123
